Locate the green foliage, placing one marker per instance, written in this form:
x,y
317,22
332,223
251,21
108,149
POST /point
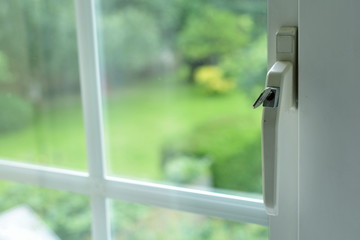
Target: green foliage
x,y
233,145
212,33
44,51
248,65
66,214
16,113
5,74
186,170
235,149
132,44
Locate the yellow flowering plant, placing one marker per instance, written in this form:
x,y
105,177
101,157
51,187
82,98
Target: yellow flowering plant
x,y
212,79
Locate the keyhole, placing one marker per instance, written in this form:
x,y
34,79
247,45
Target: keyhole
x,y
271,96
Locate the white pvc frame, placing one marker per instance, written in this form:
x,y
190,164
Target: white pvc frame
x,y
100,187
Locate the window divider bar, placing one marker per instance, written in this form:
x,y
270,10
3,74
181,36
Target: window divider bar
x,y
92,110
49,177
91,87
234,208
228,207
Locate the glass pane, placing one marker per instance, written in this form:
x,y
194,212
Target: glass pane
x,y
28,212
179,78
164,224
41,118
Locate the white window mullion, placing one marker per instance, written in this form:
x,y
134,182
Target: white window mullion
x,y
42,176
234,208
92,107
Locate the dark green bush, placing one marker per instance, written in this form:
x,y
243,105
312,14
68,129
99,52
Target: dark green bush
x,y
187,170
16,113
233,147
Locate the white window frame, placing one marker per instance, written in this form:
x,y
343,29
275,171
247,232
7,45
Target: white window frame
x,y
96,183
100,187
285,226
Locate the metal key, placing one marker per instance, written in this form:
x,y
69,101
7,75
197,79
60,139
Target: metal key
x,y
268,98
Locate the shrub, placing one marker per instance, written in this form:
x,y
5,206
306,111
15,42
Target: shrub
x,y
187,170
213,32
5,74
248,66
212,79
66,214
16,113
232,145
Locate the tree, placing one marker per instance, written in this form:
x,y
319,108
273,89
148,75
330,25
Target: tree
x,y
210,34
131,42
39,40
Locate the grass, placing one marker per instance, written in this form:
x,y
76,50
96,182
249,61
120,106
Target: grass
x,y
139,121
54,138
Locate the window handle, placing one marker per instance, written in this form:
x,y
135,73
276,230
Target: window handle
x,y
279,112
274,121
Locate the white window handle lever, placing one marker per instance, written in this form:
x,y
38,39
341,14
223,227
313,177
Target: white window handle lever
x,y
275,124
279,117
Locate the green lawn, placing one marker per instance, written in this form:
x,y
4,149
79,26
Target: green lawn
x,y
55,137
139,121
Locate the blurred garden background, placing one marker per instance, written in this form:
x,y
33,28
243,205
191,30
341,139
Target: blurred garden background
x,y
178,80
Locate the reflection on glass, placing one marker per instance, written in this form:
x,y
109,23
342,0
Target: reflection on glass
x,y
41,119
28,212
138,222
179,78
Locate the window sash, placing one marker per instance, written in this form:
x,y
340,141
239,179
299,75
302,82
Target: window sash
x,y
100,187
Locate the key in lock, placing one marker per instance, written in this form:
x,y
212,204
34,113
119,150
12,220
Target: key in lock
x,y
268,98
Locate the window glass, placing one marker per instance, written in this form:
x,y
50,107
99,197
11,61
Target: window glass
x,y
41,118
179,78
138,222
28,212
